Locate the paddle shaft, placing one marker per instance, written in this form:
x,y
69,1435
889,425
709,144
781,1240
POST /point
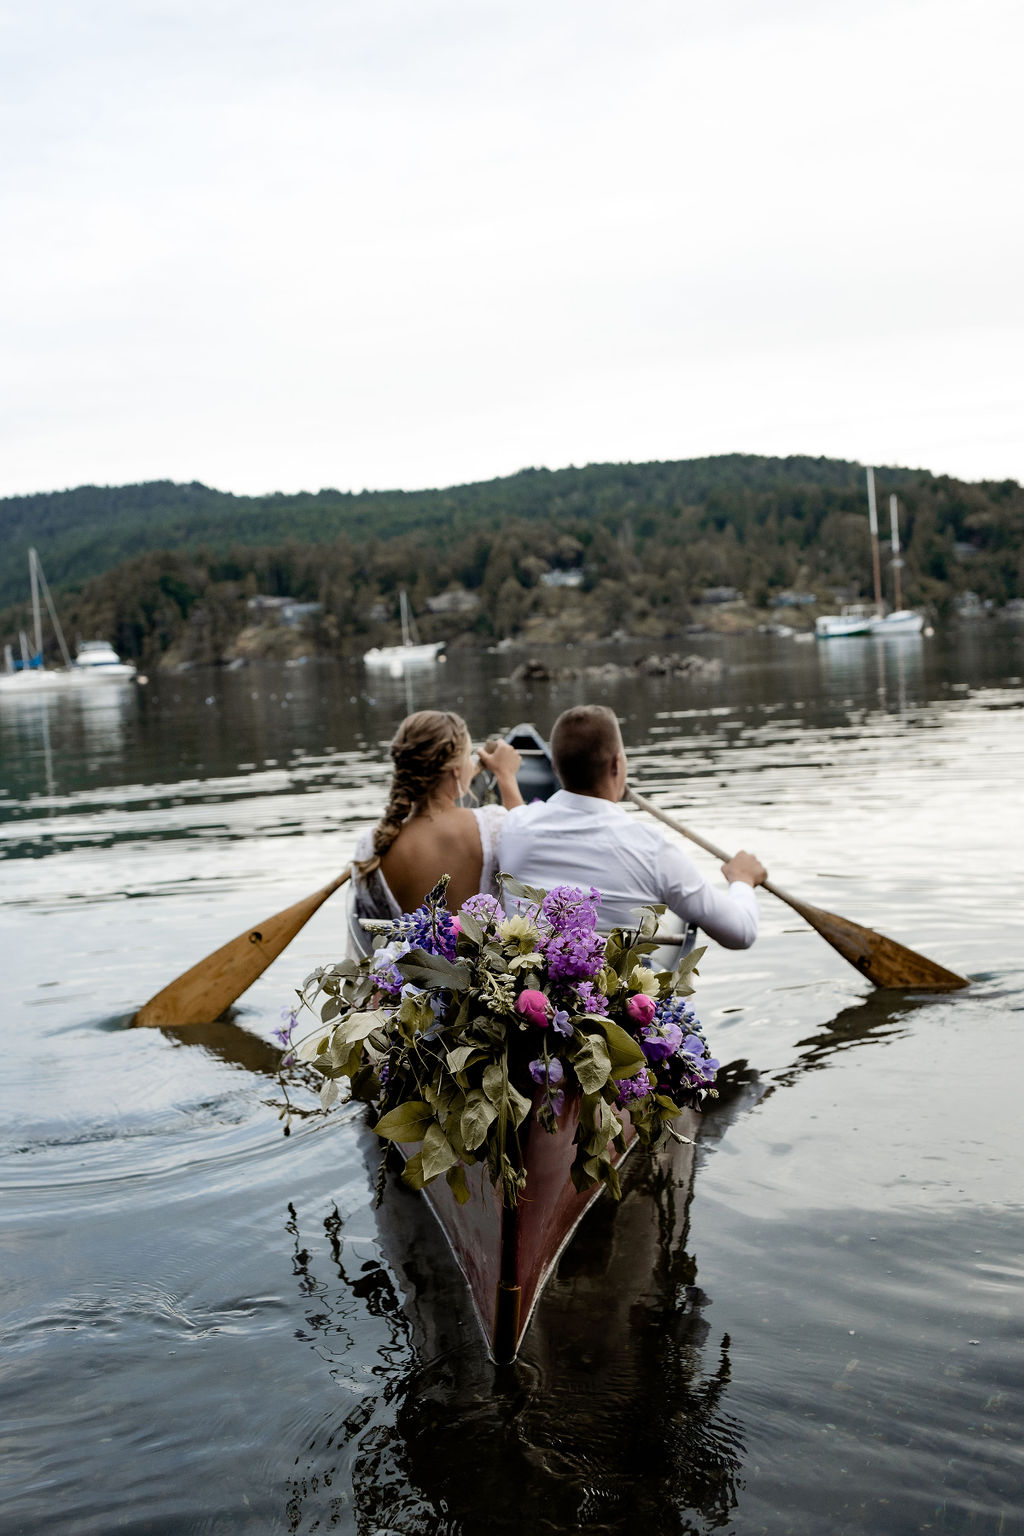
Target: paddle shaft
x,y
883,961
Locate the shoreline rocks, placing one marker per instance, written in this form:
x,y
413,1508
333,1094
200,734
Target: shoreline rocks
x,y
697,668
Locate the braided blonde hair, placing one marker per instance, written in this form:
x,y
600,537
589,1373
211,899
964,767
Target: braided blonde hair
x,y
426,745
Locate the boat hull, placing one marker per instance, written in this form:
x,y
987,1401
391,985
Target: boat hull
x,y
507,1255
395,658
835,626
21,684
903,622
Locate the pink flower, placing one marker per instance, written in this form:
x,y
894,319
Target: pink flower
x,y
456,926
640,1008
534,1008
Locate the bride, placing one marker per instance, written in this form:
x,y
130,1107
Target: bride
x,y
424,833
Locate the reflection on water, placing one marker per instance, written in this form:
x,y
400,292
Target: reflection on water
x,y
615,1417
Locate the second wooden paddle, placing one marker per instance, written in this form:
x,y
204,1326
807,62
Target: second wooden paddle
x,y
881,960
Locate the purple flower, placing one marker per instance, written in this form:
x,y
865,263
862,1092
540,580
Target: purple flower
x,y
575,955
547,1072
566,909
486,909
560,1022
591,1000
433,929
385,974
659,1041
283,1035
633,1088
704,1067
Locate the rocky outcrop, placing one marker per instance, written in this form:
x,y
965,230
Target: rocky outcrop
x,y
698,668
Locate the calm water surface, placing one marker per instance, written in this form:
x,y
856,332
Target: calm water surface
x,y
209,1329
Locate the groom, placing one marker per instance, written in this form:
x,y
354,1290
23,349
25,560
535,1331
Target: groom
x,y
582,836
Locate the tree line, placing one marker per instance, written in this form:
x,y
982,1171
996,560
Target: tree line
x,y
166,568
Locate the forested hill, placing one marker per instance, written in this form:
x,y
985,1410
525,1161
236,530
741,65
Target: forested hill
x,y
81,533
168,572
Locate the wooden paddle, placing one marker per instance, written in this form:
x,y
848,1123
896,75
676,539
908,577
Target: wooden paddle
x,y
881,960
202,993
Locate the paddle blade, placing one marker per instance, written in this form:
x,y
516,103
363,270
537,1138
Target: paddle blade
x,y
881,960
201,995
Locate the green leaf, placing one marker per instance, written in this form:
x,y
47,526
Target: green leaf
x,y
494,1082
456,1180
470,927
476,1119
312,1046
412,1173
415,1014
625,1055
425,970
460,1058
358,1026
512,887
406,1122
518,1105
592,1064
328,1093
437,1155
687,966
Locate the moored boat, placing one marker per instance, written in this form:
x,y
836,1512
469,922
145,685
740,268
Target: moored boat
x,y
411,653
97,661
857,619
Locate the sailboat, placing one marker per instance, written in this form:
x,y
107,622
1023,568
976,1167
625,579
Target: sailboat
x,y
411,652
95,661
900,620
858,619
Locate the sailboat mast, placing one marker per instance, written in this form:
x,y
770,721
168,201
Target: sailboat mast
x,y
876,563
37,622
403,602
894,528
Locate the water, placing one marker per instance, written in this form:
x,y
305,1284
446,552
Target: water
x,y
209,1329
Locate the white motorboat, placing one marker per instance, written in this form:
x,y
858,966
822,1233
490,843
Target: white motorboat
x,y
411,653
97,661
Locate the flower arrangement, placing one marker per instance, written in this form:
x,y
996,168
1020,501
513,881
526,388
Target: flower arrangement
x,y
461,1024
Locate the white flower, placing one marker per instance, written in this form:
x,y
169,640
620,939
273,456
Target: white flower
x,y
642,979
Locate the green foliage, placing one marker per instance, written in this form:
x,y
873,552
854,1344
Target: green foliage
x,y
161,568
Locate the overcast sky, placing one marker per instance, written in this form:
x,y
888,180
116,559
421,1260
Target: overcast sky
x,y
408,243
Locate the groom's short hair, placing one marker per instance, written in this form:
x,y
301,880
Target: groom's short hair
x,y
584,742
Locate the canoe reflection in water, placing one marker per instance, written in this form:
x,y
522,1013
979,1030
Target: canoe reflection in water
x,y
613,1417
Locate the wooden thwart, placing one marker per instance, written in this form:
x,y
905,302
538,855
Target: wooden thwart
x,y
881,960
204,992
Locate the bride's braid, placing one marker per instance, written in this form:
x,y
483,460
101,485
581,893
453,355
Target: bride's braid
x,y
426,745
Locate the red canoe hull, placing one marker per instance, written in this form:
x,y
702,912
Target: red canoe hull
x,y
507,1255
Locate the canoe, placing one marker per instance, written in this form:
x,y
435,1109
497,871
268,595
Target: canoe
x,y
507,1255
